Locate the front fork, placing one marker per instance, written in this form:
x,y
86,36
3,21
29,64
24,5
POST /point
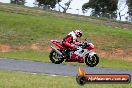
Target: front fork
x,y
90,54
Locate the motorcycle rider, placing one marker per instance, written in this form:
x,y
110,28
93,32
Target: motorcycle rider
x,y
71,39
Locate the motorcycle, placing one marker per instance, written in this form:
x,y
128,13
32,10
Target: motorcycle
x,y
82,54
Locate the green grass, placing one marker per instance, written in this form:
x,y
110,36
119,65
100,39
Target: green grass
x,y
17,29
11,79
115,63
27,55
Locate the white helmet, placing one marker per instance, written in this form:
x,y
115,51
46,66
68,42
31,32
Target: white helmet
x,y
78,33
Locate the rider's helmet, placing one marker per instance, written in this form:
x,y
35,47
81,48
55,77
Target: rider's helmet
x,y
78,33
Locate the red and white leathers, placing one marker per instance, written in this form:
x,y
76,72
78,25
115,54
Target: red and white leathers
x,y
71,39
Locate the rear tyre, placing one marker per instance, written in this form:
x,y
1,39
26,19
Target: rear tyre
x,y
92,60
55,58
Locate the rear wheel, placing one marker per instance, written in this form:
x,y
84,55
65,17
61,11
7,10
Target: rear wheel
x,y
55,58
92,60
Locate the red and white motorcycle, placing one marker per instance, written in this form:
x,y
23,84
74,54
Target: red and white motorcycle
x,y
82,54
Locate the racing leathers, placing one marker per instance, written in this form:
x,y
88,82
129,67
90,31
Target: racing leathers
x,y
70,41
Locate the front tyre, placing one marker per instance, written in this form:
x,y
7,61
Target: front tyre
x,y
92,60
55,58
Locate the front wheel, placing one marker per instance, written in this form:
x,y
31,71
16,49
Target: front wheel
x,y
92,60
55,58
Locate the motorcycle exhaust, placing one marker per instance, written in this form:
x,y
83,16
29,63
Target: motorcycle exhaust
x,y
57,51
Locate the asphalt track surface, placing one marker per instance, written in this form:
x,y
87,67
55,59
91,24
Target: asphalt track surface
x,y
54,69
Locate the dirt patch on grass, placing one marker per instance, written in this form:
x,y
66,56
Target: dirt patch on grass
x,y
36,46
39,47
5,48
114,53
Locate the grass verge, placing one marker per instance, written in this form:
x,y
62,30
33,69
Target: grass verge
x,y
12,79
27,55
